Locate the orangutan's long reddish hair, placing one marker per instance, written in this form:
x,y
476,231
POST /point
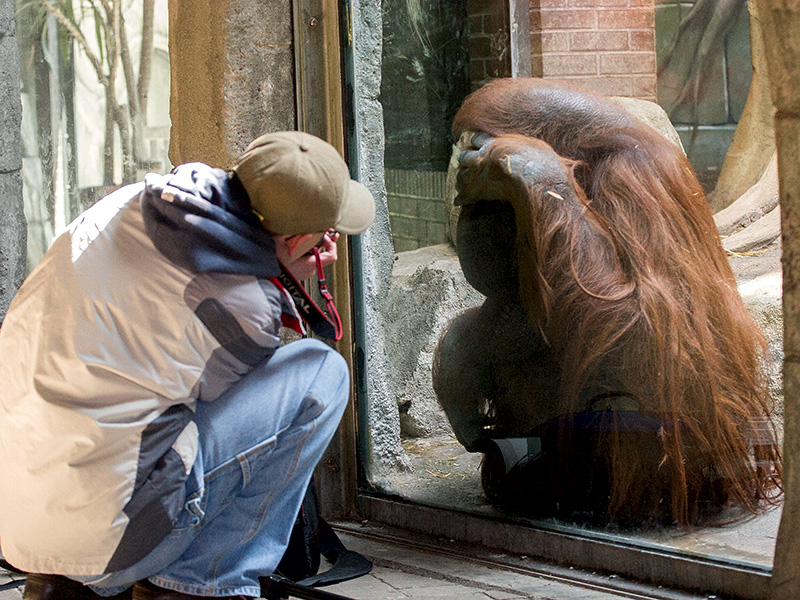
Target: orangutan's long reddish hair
x,y
625,273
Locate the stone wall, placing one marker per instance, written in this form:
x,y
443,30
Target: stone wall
x,y
381,448
12,219
606,46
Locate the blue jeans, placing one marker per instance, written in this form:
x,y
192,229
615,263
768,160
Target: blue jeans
x,y
259,444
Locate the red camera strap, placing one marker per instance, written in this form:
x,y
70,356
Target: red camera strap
x,y
328,326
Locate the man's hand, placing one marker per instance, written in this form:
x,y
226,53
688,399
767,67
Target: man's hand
x,y
305,265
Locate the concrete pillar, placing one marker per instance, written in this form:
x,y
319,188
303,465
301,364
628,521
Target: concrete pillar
x,y
381,432
231,65
13,228
780,21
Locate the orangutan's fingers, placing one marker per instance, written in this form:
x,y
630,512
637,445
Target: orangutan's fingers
x,y
478,148
468,158
481,140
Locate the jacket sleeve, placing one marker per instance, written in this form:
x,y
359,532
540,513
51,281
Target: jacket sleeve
x,y
241,317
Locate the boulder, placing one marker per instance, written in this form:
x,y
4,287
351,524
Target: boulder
x,y
428,289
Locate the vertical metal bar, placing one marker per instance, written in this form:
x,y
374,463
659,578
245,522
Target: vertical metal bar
x,y
519,36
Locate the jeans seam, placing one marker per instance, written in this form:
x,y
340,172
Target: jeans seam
x,y
185,588
244,463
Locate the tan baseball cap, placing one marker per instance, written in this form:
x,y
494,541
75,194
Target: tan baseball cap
x,y
299,183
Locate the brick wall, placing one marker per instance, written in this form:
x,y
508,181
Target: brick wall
x,y
607,46
416,207
488,42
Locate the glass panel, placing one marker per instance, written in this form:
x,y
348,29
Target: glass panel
x,y
83,133
529,461
703,92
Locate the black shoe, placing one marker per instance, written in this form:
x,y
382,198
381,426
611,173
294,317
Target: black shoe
x,y
39,586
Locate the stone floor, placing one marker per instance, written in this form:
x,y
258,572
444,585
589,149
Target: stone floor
x,y
404,572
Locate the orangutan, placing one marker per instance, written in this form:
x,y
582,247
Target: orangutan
x,y
612,334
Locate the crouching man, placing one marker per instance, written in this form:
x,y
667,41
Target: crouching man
x,y
156,439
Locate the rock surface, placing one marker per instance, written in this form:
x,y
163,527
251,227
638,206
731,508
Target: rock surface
x,y
428,289
760,281
13,227
753,221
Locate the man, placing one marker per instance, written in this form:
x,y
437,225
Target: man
x,y
156,440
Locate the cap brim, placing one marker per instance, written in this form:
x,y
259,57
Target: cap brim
x,y
358,212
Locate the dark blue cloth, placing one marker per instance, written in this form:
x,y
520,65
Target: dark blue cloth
x,y
200,219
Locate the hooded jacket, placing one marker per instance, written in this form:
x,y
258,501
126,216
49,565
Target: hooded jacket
x,y
159,296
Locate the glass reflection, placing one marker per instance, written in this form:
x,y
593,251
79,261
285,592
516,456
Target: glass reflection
x,y
498,381
95,105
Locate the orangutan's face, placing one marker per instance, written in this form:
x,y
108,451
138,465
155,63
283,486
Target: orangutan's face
x,y
485,246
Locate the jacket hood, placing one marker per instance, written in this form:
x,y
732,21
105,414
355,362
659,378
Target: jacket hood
x,y
201,220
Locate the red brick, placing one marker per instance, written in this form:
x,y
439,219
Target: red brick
x,y
480,46
497,69
476,24
643,3
555,41
568,19
645,86
605,86
477,7
597,3
536,41
569,64
598,40
535,20
549,3
642,40
495,20
477,69
631,18
537,68
639,62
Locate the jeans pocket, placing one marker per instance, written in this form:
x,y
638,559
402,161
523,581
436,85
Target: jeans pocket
x,y
242,462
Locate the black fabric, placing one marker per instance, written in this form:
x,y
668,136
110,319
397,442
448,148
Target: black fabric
x,y
320,323
158,494
274,588
311,538
12,570
152,511
302,556
42,586
157,438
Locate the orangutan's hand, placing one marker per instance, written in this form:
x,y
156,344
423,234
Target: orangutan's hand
x,y
502,167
